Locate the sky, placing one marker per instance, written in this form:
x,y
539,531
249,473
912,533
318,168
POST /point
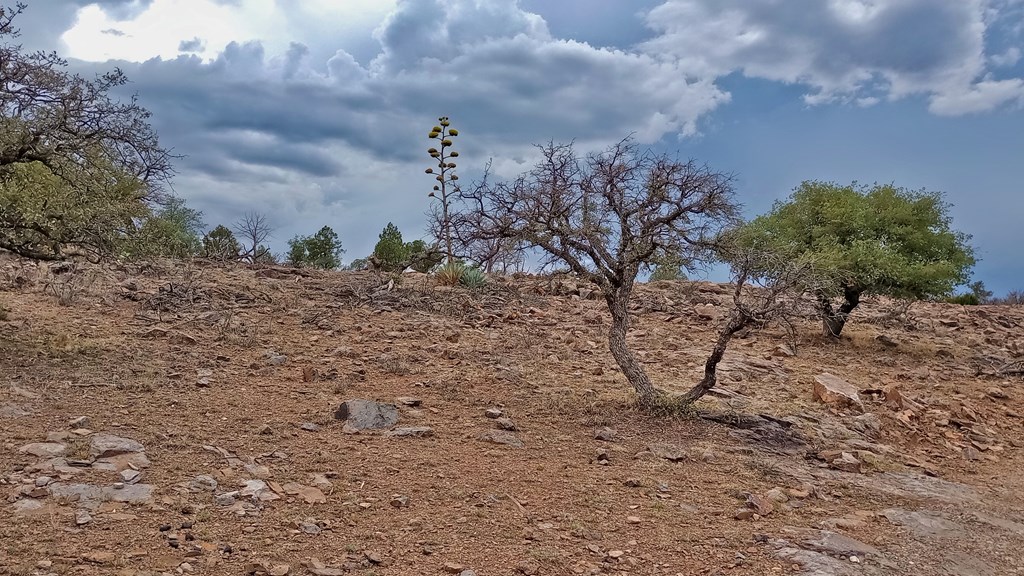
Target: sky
x,y
316,111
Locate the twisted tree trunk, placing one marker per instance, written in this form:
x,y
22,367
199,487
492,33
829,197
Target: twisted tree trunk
x,y
618,304
834,321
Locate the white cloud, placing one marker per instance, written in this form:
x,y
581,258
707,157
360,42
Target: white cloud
x,y
842,50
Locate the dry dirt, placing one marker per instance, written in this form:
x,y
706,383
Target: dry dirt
x,y
235,374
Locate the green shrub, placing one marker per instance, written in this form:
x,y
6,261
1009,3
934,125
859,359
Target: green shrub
x,y
450,274
472,277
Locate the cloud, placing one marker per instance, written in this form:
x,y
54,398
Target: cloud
x,y
317,111
194,45
842,50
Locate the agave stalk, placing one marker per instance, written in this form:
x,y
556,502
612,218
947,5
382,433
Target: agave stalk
x,y
444,174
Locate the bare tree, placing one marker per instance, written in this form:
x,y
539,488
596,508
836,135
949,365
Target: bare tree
x,y
606,216
253,231
766,289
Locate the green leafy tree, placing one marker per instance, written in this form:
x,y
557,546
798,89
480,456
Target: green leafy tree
x,y
321,250
43,216
446,179
877,239
390,253
422,256
221,244
55,125
173,231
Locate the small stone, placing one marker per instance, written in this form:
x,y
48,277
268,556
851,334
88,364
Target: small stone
x,y
202,483
633,519
467,573
409,401
493,413
82,518
501,437
309,427
80,422
265,430
410,432
279,570
43,481
669,452
760,504
602,455
835,391
615,554
506,424
100,557
373,558
118,485
224,499
131,476
846,463
44,564
453,568
400,501
165,527
743,513
632,483
605,434
996,393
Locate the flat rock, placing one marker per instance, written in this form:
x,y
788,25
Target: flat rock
x,y
836,543
90,495
107,445
669,452
924,524
361,415
44,449
13,411
501,437
835,391
28,507
122,462
411,432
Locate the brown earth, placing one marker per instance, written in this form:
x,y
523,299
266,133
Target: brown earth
x,y
235,374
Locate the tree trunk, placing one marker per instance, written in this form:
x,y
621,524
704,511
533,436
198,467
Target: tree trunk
x,y
618,304
737,322
833,322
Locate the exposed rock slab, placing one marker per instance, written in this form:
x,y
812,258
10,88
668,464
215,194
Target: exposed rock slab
x,y
924,524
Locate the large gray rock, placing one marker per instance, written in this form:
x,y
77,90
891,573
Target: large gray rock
x,y
361,415
107,445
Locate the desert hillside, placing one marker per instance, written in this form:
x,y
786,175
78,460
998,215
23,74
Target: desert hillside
x,y
194,419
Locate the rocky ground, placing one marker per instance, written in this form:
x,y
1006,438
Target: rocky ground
x,y
185,419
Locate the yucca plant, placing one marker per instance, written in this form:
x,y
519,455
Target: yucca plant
x,y
472,277
450,274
